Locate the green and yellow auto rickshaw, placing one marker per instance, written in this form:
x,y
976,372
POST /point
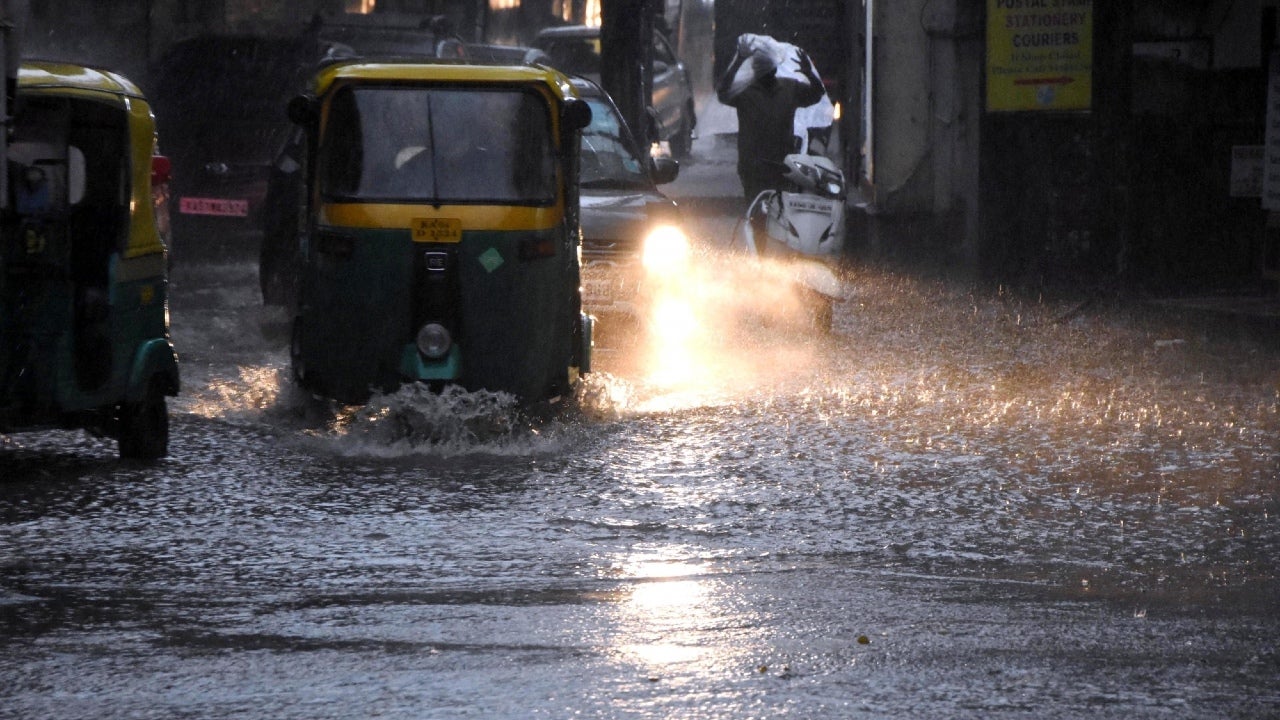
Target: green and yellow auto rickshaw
x,y
441,239
84,335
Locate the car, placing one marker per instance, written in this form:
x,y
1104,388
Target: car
x,y
623,214
575,49
388,34
220,106
492,54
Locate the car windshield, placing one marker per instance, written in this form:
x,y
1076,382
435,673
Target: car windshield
x,y
376,41
573,55
607,159
438,144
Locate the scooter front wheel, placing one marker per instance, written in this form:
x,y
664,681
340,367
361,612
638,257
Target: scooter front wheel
x,y
820,309
822,317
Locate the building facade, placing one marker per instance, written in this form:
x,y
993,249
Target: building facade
x,y
1044,143
1032,142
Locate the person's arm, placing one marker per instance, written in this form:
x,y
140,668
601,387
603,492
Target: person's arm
x,y
813,91
726,80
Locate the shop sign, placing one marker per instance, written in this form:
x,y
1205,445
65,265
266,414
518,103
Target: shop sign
x,y
1039,55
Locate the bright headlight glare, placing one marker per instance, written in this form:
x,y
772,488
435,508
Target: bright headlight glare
x,y
665,247
434,341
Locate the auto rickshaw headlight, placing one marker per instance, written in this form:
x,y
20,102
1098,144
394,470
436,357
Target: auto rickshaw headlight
x,y
665,248
434,341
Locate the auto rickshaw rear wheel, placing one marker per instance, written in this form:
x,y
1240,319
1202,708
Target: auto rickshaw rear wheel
x,y
144,427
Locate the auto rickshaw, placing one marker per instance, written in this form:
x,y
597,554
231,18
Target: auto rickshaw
x,y
84,334
441,232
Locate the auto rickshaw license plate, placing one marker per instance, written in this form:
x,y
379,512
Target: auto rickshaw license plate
x,y
443,230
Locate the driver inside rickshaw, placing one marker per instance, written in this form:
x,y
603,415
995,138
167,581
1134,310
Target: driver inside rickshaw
x,y
463,154
443,144
31,192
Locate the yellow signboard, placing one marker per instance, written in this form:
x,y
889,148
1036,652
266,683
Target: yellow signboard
x,y
1039,55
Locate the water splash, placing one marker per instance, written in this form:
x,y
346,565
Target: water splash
x,y
417,420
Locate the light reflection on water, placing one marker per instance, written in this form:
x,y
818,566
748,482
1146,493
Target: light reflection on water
x,y
661,624
654,613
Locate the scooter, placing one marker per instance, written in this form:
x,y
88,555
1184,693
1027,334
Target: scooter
x,y
803,226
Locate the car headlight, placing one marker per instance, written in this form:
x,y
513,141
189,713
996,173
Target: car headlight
x,y
666,247
434,341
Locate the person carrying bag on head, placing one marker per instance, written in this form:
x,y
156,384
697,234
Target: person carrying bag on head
x,y
766,83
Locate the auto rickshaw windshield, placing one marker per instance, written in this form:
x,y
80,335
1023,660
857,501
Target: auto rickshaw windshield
x,y
439,144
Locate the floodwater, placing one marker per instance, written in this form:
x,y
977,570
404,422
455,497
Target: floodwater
x,y
960,504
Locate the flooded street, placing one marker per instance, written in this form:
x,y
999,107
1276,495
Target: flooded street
x,y
960,504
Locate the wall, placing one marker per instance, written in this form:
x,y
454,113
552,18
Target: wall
x,y
1199,83
1054,184
126,35
105,33
918,176
1133,191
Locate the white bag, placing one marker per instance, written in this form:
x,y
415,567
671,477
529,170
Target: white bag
x,y
783,57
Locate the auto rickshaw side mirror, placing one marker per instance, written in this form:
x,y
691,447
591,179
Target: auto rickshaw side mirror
x,y
76,175
663,169
304,110
575,115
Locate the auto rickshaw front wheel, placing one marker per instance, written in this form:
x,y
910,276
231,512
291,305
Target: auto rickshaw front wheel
x,y
144,427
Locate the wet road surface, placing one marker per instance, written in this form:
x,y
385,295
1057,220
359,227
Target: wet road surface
x,y
961,504
956,506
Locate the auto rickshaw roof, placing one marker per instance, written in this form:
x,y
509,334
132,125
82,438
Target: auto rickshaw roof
x,y
42,74
367,71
